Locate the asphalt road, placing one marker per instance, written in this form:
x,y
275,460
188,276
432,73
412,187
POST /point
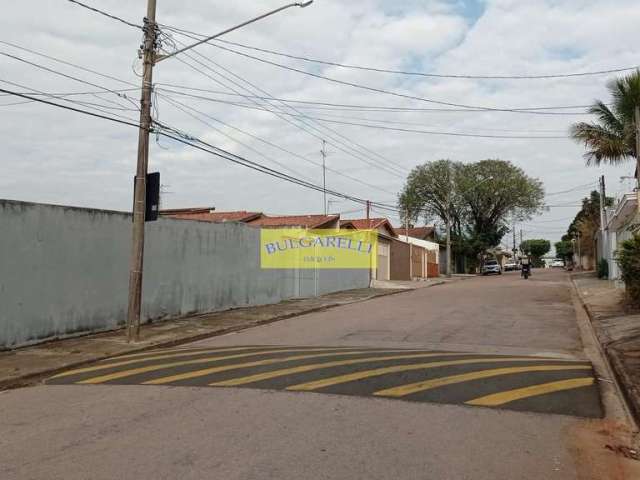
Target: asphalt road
x,y
480,379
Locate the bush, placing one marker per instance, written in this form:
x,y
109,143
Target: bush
x,y
628,258
603,268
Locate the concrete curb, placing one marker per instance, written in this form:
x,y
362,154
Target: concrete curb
x,y
631,393
32,378
614,363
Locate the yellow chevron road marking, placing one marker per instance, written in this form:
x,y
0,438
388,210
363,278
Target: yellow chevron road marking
x,y
317,366
511,395
236,366
161,366
159,356
351,377
408,389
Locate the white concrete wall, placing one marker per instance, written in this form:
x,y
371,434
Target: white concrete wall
x,y
64,271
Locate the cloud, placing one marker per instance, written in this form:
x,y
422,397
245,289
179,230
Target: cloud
x,y
60,157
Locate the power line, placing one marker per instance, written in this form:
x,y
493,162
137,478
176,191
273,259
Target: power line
x,y
179,106
279,113
101,12
352,107
66,107
408,130
71,77
188,140
271,144
95,106
64,62
529,110
304,115
413,73
579,187
388,165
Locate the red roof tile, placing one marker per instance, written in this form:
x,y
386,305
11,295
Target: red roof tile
x,y
417,232
369,224
307,221
237,216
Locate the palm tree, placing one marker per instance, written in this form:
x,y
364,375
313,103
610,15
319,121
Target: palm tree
x,y
612,138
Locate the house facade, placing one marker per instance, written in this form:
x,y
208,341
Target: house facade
x,y
622,223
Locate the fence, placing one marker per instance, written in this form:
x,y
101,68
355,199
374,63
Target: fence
x,y
64,271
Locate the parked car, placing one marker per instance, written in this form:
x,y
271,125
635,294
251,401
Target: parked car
x,y
557,263
511,266
491,266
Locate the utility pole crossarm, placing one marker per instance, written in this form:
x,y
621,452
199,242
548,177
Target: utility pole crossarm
x,y
159,58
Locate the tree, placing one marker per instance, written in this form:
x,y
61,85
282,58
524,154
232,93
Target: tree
x,y
564,249
537,248
612,139
480,197
628,259
586,223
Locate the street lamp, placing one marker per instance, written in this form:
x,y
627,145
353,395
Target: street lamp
x,y
159,58
140,188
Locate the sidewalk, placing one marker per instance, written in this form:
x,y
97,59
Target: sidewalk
x,y
27,365
617,331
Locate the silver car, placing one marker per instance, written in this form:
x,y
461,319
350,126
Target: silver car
x,y
491,266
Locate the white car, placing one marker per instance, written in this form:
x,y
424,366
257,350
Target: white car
x,y
557,263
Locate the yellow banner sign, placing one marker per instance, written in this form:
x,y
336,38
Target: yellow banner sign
x,y
299,248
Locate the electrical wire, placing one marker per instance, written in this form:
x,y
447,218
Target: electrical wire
x,y
271,144
279,112
180,107
526,110
101,12
332,117
197,143
387,164
42,67
346,106
99,107
403,72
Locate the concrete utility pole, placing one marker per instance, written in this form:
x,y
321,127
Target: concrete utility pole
x,y
323,152
150,58
602,204
406,232
140,190
368,209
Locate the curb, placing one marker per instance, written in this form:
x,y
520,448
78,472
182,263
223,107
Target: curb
x,y
631,393
614,362
32,378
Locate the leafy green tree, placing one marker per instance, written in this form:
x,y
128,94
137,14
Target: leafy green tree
x,y
628,259
586,223
611,139
564,249
537,248
481,198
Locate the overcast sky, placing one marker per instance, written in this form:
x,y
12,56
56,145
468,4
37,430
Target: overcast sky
x,y
55,156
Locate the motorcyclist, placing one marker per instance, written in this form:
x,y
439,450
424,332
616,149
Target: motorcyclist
x,y
525,263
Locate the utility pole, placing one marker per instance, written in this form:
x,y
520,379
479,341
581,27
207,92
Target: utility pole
x,y
368,209
324,175
520,238
150,58
637,121
406,232
602,204
140,191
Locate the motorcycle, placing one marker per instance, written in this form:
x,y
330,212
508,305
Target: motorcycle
x,y
526,271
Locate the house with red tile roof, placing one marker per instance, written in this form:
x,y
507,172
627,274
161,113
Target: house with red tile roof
x,y
211,215
300,221
422,233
